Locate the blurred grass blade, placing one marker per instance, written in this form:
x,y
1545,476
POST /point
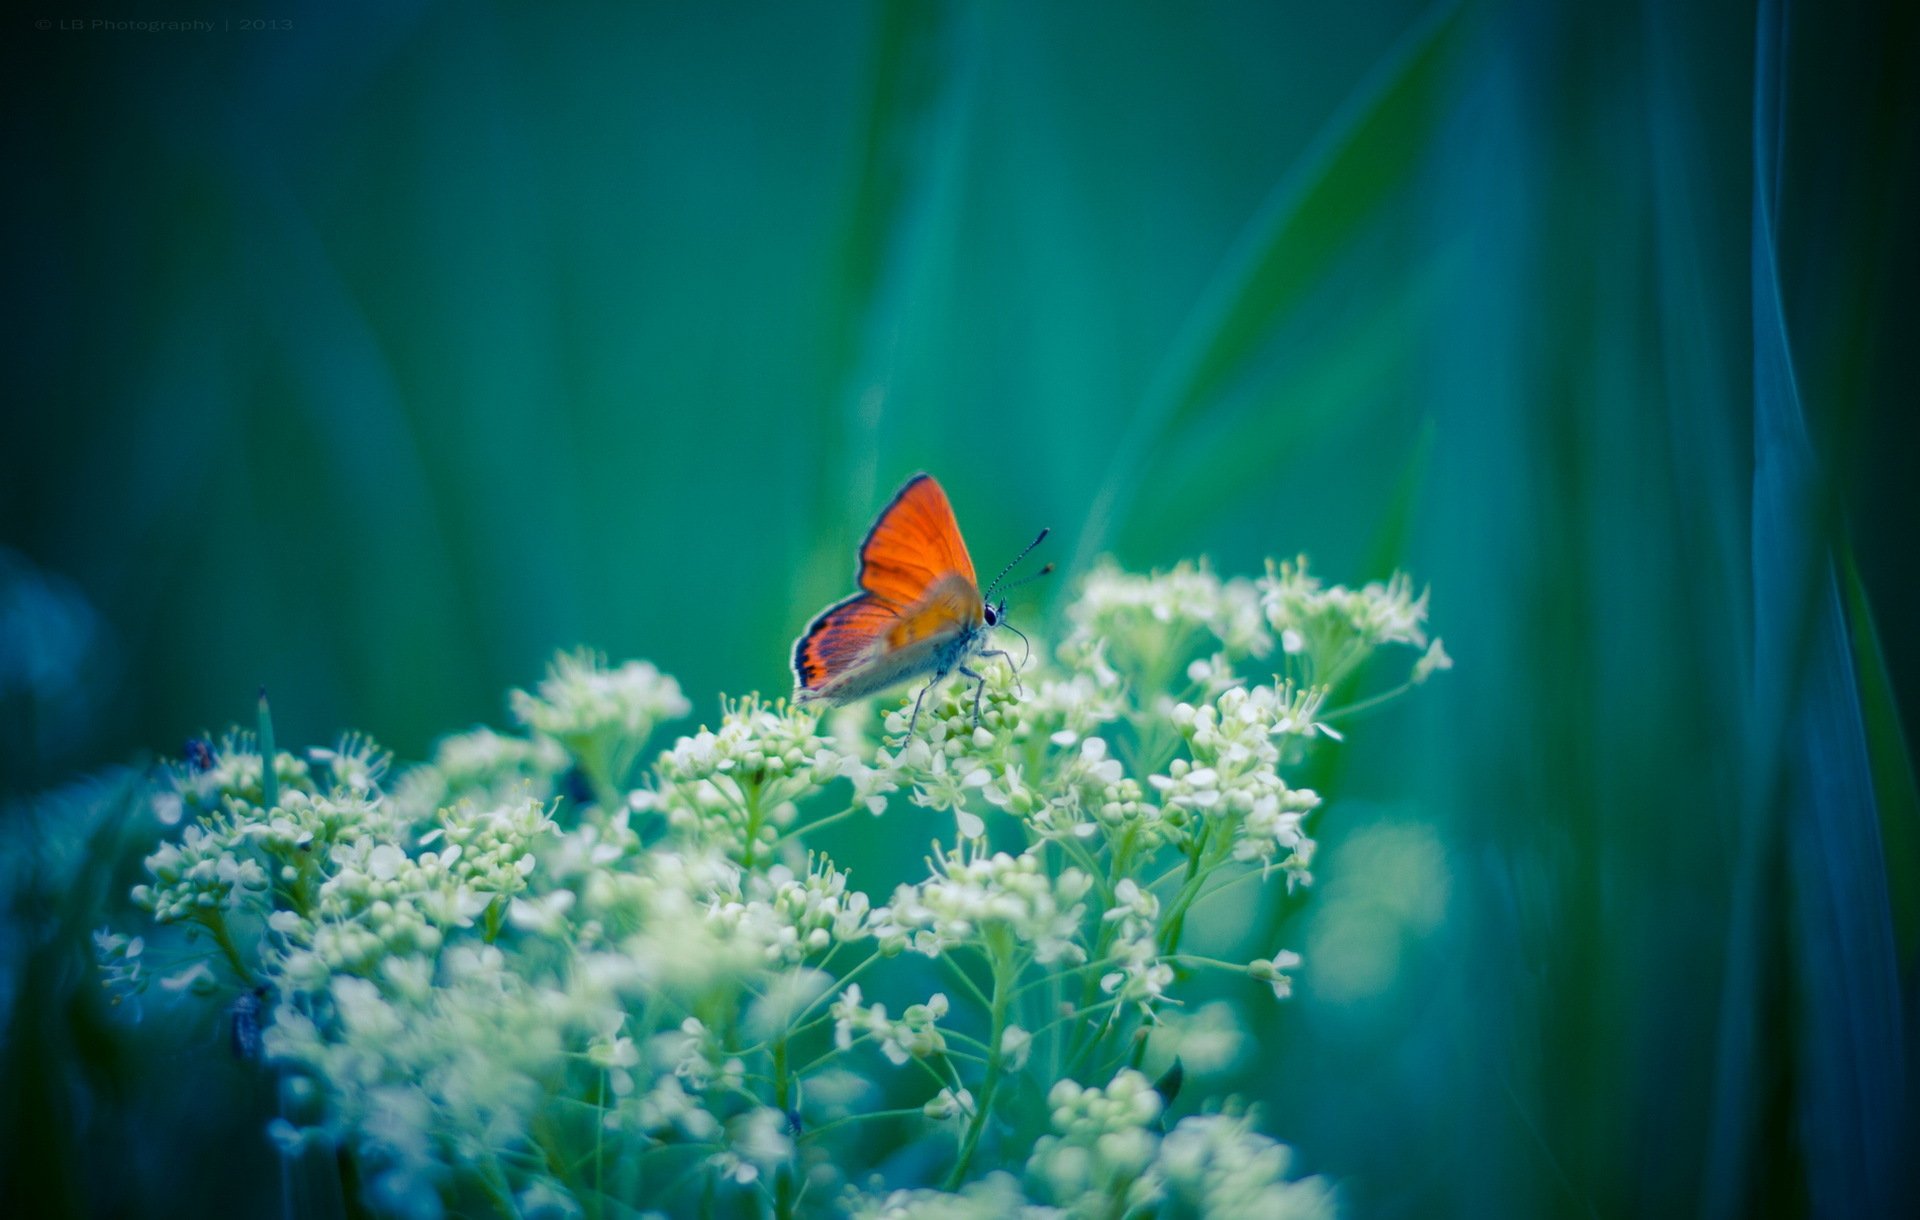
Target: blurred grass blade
x,y
1892,768
1343,380
911,135
1851,1064
1393,545
269,777
1369,150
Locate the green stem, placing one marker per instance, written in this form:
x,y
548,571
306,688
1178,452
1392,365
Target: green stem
x,y
1190,886
824,1128
828,995
753,826
1367,704
783,1101
599,1146
810,827
1003,974
216,926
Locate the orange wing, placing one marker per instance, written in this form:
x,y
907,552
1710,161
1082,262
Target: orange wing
x,y
839,638
914,544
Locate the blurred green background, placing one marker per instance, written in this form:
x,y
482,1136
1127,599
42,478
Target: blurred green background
x,y
374,358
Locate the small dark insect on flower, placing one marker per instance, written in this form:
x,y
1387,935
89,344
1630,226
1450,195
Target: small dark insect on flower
x,y
246,1024
575,785
199,754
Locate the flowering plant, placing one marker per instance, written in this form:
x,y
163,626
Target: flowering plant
x,y
535,977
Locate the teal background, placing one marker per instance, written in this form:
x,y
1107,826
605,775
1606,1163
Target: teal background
x,y
376,358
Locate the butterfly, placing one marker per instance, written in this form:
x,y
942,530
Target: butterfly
x,y
919,612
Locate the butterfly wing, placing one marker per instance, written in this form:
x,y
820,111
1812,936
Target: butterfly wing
x,y
914,545
839,639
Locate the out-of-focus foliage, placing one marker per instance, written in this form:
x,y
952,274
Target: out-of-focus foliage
x,y
377,357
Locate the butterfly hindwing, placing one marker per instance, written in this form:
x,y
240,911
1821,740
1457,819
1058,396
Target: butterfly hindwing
x,y
839,638
914,544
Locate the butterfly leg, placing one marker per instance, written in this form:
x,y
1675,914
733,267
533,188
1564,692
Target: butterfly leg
x,y
979,689
998,652
915,720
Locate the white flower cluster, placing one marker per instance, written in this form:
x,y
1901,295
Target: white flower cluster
x,y
428,1070
1218,1165
378,901
797,916
534,976
210,869
916,1035
215,774
1334,628
481,765
1142,615
1137,974
582,698
1101,1145
1093,795
1015,903
1105,1156
1232,774
737,785
994,1197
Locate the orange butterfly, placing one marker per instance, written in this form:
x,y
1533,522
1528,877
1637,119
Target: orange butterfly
x,y
920,609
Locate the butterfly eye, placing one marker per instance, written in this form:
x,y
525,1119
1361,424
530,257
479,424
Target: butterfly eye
x,y
993,615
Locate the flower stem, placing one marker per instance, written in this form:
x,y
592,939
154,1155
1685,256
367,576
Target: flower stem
x,y
869,1116
816,824
1175,922
782,1101
753,826
216,926
1002,978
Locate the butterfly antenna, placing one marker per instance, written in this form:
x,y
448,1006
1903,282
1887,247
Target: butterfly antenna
x,y
1027,580
1040,538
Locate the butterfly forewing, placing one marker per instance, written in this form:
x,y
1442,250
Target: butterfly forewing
x,y
914,544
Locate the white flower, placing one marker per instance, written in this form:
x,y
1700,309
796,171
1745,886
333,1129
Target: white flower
x,y
1016,1045
787,996
1430,662
542,916
356,762
948,1105
849,1016
1208,1040
1273,970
